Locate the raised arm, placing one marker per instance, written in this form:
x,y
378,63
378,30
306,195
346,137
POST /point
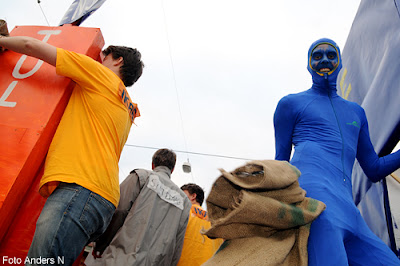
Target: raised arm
x,y
31,47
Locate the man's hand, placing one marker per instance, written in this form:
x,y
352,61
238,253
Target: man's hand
x,y
96,254
3,32
1,48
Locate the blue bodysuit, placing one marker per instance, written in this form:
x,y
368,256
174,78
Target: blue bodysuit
x,y
328,133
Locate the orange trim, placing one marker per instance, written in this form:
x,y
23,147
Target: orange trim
x,y
126,100
309,59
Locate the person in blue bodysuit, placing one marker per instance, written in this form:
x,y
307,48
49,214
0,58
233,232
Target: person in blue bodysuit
x,y
328,133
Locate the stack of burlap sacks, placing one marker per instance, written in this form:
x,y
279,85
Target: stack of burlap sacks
x,y
263,215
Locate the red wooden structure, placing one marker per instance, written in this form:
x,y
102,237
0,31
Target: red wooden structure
x,y
32,101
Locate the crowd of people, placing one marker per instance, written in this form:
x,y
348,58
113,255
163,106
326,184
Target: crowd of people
x,y
149,220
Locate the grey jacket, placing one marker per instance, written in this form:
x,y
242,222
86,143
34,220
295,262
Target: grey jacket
x,y
148,227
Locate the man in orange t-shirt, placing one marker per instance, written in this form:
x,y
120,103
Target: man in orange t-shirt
x,y
81,170
197,248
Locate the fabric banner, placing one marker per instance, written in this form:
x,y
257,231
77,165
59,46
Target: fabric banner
x,y
370,77
80,10
394,191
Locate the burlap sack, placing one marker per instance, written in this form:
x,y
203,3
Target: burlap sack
x,y
262,250
262,206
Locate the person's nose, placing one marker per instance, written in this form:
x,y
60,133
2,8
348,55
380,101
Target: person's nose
x,y
324,60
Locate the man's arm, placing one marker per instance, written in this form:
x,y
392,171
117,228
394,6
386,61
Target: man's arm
x,y
284,121
30,46
130,189
374,167
180,237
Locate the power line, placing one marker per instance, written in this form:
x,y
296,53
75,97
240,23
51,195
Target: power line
x,y
48,24
173,73
175,83
191,152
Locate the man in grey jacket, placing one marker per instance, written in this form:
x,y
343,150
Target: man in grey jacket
x,y
148,227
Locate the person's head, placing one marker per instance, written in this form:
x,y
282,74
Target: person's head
x,y
164,157
324,58
194,192
324,61
131,66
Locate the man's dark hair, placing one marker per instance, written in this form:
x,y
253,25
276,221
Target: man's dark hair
x,y
164,157
132,67
193,188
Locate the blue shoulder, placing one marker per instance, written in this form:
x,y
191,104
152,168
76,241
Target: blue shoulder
x,y
297,101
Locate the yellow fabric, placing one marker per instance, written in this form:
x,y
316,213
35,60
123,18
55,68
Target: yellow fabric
x,y
198,248
93,130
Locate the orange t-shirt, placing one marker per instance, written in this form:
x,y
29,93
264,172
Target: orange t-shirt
x,y
93,130
198,248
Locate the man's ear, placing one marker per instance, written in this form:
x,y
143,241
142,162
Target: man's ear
x,y
119,61
172,169
193,196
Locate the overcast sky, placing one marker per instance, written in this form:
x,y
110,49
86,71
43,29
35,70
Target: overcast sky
x,y
214,71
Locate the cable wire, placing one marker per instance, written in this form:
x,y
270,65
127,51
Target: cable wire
x,y
175,83
48,24
173,74
195,153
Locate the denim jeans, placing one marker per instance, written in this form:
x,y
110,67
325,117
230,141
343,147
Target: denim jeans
x,y
72,217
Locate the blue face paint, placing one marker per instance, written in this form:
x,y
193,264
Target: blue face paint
x,y
320,56
324,58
